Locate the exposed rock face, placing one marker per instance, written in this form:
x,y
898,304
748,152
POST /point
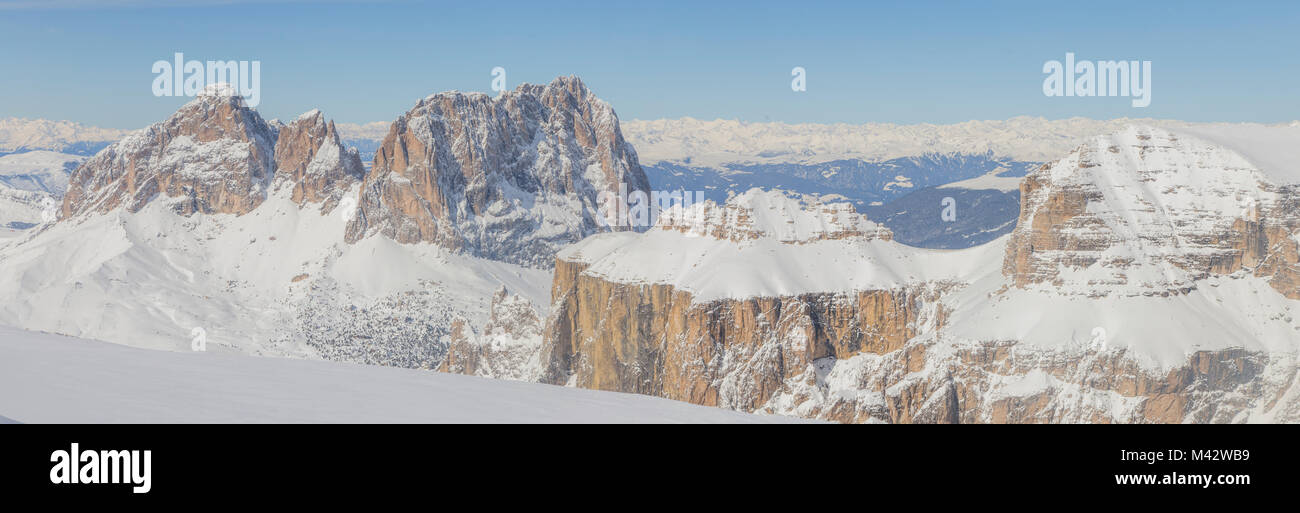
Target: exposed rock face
x,y
310,157
1150,213
639,333
786,218
654,339
1142,221
876,356
216,156
1000,382
510,178
506,348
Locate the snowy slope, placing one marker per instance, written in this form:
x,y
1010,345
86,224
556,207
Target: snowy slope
x,y
20,209
774,246
994,180
1274,149
44,171
279,280
32,185
49,378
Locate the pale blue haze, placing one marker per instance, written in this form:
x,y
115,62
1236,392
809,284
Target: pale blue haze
x,y
904,62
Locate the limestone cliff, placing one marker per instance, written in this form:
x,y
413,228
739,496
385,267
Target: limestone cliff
x,y
510,178
310,158
1152,279
215,155
1149,212
507,345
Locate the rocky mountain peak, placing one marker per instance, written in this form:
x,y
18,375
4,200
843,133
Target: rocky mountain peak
x,y
511,178
1149,211
215,155
310,157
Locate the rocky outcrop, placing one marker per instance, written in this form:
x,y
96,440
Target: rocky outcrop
x,y
787,218
877,356
1139,224
654,339
310,158
510,178
1150,213
505,348
1003,382
216,155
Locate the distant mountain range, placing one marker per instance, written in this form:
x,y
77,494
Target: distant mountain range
x,y
19,135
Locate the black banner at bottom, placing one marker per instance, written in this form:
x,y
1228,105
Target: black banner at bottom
x,y
307,464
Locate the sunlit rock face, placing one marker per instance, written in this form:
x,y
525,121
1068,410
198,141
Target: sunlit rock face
x,y
1151,279
1149,212
512,178
215,155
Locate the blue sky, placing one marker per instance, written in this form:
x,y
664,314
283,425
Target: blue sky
x,y
902,62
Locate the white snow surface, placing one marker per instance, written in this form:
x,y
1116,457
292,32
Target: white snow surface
x,y
45,171
1274,149
48,378
785,259
150,278
987,181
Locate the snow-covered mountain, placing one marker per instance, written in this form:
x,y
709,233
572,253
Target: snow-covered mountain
x,y
19,135
32,186
270,238
20,210
511,178
1136,288
889,171
44,171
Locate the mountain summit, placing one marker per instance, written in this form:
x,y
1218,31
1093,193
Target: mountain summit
x,y
511,178
215,155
